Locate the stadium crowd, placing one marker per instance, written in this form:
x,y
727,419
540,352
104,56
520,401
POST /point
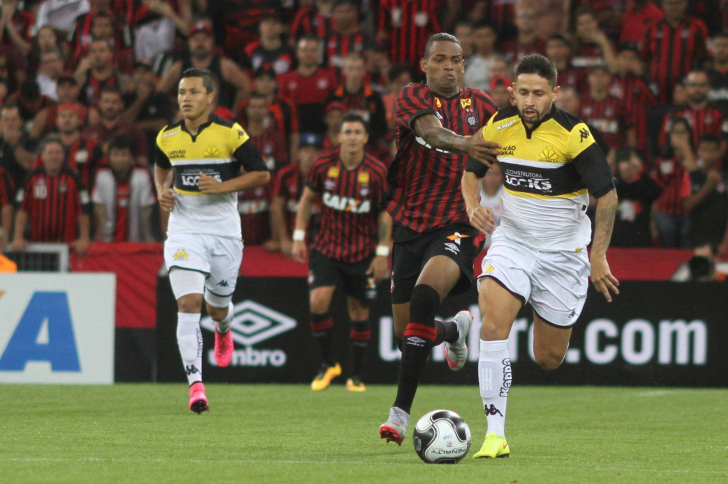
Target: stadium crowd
x,y
86,85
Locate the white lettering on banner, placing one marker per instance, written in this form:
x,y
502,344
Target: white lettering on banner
x,y
630,352
591,341
254,323
681,332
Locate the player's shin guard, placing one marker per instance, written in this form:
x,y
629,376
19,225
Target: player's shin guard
x,y
494,377
419,338
359,335
321,325
189,340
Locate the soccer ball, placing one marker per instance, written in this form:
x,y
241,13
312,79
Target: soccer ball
x,y
441,437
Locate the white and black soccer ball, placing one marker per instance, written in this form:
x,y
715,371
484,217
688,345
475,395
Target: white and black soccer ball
x,y
441,437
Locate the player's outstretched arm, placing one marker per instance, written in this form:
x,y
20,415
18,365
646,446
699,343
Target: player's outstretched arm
x,y
429,128
602,277
480,217
302,218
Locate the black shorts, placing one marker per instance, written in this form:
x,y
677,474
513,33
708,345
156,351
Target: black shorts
x,y
352,278
412,250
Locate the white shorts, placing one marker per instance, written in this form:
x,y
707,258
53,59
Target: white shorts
x,y
218,258
555,283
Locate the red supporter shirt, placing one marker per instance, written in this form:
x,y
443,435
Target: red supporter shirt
x,y
675,182
424,183
308,21
309,95
607,116
408,23
637,99
7,188
289,186
514,51
636,22
703,121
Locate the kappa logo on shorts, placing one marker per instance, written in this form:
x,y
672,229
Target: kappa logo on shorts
x,y
452,247
456,237
181,254
488,268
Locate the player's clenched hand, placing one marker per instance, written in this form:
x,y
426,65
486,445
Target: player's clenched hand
x,y
166,199
299,251
603,279
482,219
484,151
378,268
208,184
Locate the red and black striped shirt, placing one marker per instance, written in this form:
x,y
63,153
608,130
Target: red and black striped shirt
x,y
254,208
289,186
84,157
607,116
91,89
338,46
53,205
672,51
708,120
308,21
240,19
350,212
409,24
280,60
636,98
674,180
424,183
7,188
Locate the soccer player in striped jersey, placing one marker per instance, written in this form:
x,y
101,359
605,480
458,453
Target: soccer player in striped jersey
x,y
197,175
434,244
352,248
538,254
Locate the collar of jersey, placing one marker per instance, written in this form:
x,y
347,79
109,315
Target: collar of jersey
x,y
199,130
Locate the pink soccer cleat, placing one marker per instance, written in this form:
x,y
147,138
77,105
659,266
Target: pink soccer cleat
x,y
198,399
224,346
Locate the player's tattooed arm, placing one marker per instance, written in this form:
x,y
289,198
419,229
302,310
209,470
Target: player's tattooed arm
x,y
429,128
601,275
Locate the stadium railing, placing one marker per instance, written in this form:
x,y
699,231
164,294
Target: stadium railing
x,y
42,257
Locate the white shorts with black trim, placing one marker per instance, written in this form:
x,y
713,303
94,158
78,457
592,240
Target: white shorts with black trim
x,y
555,283
218,258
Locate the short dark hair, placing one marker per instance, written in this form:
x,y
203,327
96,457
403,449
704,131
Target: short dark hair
x,y
48,140
441,37
709,138
559,38
400,68
355,118
207,81
485,24
585,11
121,142
257,95
112,90
539,65
623,153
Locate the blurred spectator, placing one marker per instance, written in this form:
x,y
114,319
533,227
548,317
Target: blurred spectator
x,y
639,16
308,86
491,195
239,20
51,69
406,25
44,122
568,101
360,98
111,123
47,40
718,73
609,14
146,107
558,49
498,90
671,218
527,41
30,101
345,37
478,67
464,33
7,199
96,71
335,113
233,85
13,68
155,24
61,14
88,27
637,192
268,140
399,76
377,65
85,156
102,27
605,111
501,13
672,46
708,203
269,52
123,197
629,85
55,203
17,149
15,27
594,48
314,21
699,112
287,193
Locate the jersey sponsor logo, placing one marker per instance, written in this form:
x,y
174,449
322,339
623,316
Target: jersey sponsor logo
x,y
172,133
192,180
506,125
525,179
333,172
363,177
508,150
181,254
346,204
456,237
211,152
437,101
464,103
548,155
584,133
176,154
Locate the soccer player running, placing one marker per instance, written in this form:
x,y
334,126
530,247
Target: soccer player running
x,y
434,244
538,255
204,246
352,248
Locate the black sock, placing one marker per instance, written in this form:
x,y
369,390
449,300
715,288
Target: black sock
x,y
446,331
359,336
419,338
321,330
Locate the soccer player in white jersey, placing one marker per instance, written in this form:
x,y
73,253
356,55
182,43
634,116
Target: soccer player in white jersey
x,y
204,246
538,255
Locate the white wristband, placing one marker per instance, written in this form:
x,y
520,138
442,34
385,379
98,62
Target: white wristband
x,y
299,235
383,250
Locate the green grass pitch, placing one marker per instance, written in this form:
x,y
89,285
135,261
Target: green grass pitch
x,y
286,433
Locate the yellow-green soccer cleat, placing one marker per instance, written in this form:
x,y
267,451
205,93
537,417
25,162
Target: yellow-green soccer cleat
x,y
324,377
494,446
355,385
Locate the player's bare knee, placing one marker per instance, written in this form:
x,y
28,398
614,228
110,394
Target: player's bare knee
x,y
217,314
319,303
548,359
190,303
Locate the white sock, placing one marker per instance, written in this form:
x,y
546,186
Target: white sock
x,y
494,376
224,325
189,340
